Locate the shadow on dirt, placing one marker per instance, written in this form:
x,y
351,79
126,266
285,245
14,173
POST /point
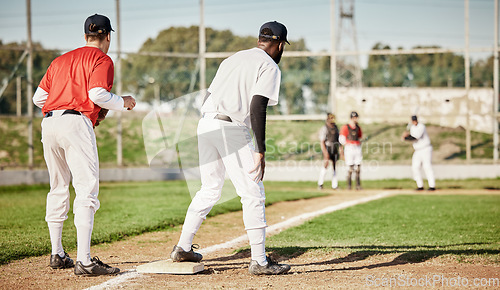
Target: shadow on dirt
x,y
407,254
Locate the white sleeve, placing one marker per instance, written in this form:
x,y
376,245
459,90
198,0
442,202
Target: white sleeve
x,y
40,97
342,139
417,131
322,134
268,84
104,99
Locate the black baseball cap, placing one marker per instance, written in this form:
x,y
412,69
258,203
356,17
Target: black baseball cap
x,y
279,31
414,118
354,114
102,23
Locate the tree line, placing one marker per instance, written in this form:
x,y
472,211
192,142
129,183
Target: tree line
x,y
145,76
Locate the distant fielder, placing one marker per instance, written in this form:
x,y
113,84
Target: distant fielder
x,y
244,85
350,137
330,147
71,94
422,157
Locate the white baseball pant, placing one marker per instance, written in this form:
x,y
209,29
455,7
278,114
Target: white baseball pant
x,y
70,149
422,158
227,147
352,154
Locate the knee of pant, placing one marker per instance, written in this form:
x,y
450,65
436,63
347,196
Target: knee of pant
x,y
358,169
351,169
91,202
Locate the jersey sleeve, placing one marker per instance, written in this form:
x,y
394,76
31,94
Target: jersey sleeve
x,y
322,134
46,81
103,74
360,133
268,84
344,131
417,131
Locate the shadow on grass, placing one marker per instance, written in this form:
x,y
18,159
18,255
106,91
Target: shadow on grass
x,y
407,255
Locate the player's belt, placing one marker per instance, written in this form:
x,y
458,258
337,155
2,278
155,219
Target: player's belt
x,y
223,118
73,112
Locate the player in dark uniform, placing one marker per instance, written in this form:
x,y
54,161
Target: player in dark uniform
x,y
330,147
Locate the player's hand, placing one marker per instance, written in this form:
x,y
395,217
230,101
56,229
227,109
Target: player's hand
x,y
260,165
405,134
128,102
326,157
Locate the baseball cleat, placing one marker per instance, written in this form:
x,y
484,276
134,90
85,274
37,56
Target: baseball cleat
x,y
56,262
96,268
320,186
432,188
179,255
272,268
419,188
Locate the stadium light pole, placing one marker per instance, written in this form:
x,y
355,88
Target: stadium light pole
x,y
202,46
119,143
467,84
29,85
495,87
333,62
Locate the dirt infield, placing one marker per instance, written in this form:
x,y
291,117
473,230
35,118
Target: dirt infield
x,y
225,269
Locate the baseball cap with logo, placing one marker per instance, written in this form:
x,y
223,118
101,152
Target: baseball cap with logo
x,y
279,31
97,24
354,114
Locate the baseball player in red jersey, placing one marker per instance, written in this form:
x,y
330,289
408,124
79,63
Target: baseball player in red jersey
x,y
71,94
350,137
244,85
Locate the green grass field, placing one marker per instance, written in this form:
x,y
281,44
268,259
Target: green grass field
x,y
129,209
416,227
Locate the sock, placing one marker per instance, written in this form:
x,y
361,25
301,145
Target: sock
x,y
335,182
55,231
84,223
191,225
322,173
257,238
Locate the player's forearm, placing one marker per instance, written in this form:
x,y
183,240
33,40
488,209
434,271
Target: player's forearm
x,y
258,112
105,99
40,97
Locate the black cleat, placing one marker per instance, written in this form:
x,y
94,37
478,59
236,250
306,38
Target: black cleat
x,y
320,186
272,268
432,188
56,262
419,188
96,268
179,255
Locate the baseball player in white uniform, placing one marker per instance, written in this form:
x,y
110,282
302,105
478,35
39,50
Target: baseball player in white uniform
x,y
422,157
236,102
71,95
350,136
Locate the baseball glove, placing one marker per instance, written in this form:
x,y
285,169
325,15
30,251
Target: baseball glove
x,y
102,115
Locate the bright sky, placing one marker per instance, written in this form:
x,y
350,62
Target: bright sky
x,y
58,24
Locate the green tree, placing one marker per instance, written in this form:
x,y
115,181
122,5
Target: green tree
x,y
9,55
173,74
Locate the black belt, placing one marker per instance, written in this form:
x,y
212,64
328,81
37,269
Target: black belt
x,y
223,118
73,112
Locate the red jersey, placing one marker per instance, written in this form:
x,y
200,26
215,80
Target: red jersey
x,y
352,135
70,77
